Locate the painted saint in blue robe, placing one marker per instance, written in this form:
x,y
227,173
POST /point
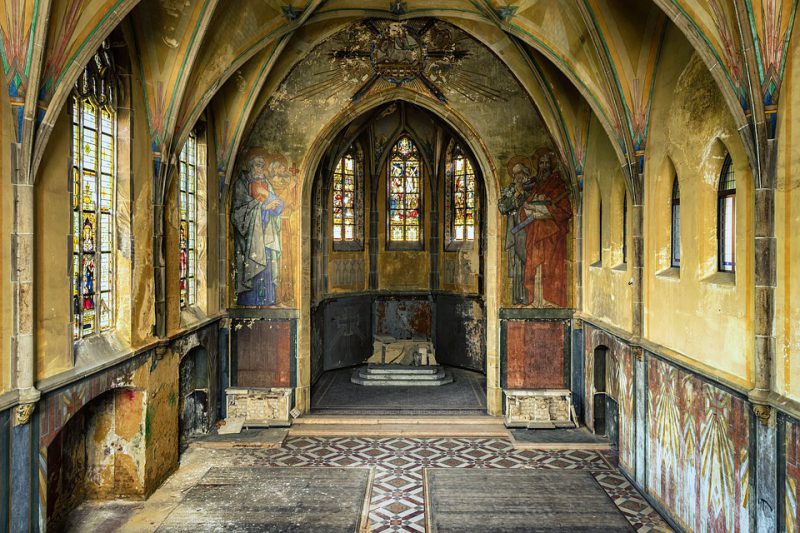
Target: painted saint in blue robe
x,y
256,219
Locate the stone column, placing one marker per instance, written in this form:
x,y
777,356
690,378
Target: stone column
x,y
637,268
23,287
222,241
764,353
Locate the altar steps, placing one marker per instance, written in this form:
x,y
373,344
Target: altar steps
x,y
401,376
398,426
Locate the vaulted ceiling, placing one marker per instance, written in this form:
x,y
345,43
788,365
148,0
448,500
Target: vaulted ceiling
x,y
574,57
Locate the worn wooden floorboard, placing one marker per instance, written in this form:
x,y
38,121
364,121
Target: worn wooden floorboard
x,y
310,499
493,501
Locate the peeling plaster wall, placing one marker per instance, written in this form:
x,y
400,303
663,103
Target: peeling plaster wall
x,y
142,290
700,315
607,295
787,229
99,454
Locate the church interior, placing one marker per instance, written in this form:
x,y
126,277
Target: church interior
x,y
400,265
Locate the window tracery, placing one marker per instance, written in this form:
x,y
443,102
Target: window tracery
x,y
187,204
461,204
94,125
404,195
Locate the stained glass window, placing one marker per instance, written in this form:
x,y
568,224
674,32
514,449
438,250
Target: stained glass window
x,y
344,199
463,198
625,228
405,193
187,205
726,217
93,193
675,240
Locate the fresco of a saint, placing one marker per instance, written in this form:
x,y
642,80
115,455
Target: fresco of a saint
x,y
538,213
256,219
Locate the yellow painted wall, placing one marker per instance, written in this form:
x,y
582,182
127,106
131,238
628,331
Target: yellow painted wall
x,y
696,312
142,291
6,225
52,248
607,294
787,228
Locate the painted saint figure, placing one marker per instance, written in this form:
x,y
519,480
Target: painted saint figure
x,y
256,219
538,212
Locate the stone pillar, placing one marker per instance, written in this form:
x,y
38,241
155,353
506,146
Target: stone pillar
x,y
578,273
23,290
766,483
637,268
222,242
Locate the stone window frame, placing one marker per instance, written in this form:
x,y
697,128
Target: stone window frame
x,y
726,213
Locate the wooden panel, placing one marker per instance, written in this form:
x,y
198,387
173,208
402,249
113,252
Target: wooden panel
x,y
274,499
535,355
488,500
263,354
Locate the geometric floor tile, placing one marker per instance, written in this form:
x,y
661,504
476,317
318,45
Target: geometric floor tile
x,y
396,496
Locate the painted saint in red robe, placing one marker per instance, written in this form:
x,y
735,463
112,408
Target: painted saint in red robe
x,y
539,212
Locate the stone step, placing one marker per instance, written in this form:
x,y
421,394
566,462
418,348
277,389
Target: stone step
x,y
401,382
402,369
399,430
351,420
367,374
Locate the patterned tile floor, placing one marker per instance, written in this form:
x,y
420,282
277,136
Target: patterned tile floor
x,y
396,495
397,502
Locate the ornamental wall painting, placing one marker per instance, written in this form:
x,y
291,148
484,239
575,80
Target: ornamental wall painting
x,y
792,475
698,461
264,231
619,386
538,212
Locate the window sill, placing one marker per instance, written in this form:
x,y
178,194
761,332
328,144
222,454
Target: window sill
x,y
99,348
673,273
191,315
723,279
596,264
622,267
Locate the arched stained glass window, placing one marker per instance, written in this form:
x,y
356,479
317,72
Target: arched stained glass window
x,y
347,201
187,204
726,217
463,194
405,195
94,124
675,231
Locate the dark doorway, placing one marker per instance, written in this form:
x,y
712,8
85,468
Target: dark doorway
x,y
193,407
599,386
